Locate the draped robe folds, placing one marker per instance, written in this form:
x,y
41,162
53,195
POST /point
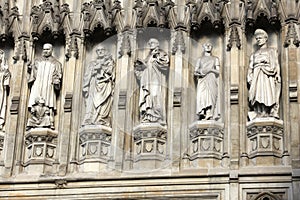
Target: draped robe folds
x,y
207,85
4,78
45,74
262,73
153,87
98,83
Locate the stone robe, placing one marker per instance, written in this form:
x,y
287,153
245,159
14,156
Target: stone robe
x,y
46,74
153,84
98,85
207,84
263,69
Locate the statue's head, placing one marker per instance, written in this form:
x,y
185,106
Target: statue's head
x,y
261,37
207,47
47,50
100,51
153,43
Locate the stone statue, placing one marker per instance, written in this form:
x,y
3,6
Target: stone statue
x,y
98,89
45,76
40,115
4,78
207,73
152,74
264,79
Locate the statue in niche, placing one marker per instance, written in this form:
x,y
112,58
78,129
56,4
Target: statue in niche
x,y
4,87
45,76
206,74
152,75
40,115
98,89
264,79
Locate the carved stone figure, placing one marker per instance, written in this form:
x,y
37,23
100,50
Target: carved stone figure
x,y
264,79
44,80
4,78
40,115
98,88
207,73
152,74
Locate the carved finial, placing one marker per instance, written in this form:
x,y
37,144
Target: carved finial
x,y
234,37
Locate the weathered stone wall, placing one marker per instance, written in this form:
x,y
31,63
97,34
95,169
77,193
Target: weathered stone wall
x,y
232,157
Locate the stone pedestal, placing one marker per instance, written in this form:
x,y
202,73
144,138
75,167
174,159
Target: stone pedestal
x,y
150,141
265,141
206,143
95,142
40,150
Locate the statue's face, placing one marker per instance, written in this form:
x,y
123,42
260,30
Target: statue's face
x,y
153,43
100,51
207,47
47,50
261,39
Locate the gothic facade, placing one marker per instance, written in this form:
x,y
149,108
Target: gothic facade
x,y
150,99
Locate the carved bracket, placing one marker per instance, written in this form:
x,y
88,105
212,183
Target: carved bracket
x,y
95,142
265,137
206,140
40,146
150,142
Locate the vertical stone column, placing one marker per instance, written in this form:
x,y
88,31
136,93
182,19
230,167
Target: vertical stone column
x,y
121,154
17,101
70,102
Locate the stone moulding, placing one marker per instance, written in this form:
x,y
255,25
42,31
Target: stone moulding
x,y
206,140
265,137
95,142
40,146
150,140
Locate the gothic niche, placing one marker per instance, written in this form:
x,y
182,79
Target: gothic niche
x,y
98,89
206,133
265,128
150,135
45,76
